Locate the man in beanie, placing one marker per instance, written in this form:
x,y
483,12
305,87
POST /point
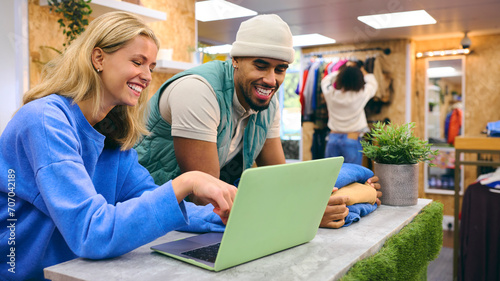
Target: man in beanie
x,y
221,117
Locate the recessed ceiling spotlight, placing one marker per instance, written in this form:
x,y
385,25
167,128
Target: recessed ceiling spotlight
x,y
401,19
220,10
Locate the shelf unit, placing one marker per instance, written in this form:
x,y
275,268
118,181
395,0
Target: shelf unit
x,y
100,7
166,66
440,174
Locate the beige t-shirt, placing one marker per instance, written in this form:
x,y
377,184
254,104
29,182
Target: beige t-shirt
x,y
189,105
346,109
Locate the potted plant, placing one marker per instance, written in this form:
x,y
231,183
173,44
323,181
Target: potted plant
x,y
74,17
396,153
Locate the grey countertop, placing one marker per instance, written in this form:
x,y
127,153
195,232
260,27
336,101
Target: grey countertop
x,y
327,257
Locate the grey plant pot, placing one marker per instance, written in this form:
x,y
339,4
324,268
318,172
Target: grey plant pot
x,y
398,183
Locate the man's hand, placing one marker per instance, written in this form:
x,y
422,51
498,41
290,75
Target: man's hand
x,y
336,212
373,181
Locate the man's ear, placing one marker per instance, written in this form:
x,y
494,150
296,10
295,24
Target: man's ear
x,y
235,63
97,58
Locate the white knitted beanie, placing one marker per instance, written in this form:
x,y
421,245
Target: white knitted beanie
x,y
266,36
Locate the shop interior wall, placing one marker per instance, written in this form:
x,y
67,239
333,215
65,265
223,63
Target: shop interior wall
x,y
177,32
482,98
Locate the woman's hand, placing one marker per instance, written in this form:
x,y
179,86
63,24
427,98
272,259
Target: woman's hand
x,y
218,193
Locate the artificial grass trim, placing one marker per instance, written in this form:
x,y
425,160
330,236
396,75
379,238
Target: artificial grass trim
x,y
406,255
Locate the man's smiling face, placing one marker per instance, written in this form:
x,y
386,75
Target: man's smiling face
x,y
256,80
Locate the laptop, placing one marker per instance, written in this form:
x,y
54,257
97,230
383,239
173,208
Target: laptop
x,y
275,208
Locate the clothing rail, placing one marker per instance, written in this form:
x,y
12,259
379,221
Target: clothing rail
x,y
386,51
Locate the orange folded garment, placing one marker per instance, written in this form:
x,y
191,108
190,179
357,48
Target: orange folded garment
x,y
358,193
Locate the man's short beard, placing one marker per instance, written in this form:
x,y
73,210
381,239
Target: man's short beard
x,y
254,106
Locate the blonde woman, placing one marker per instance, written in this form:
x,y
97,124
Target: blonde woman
x,y
69,179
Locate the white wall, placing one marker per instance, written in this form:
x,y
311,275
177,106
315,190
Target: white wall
x,y
14,55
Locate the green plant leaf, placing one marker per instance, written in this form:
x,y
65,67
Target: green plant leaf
x,y
72,13
396,144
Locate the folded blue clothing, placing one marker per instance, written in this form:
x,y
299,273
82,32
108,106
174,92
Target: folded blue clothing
x,y
357,211
350,173
202,219
493,129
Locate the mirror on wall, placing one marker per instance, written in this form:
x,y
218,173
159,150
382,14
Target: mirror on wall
x,y
444,119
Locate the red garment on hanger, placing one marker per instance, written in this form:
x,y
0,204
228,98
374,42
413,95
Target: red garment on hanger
x,y
325,72
455,125
301,92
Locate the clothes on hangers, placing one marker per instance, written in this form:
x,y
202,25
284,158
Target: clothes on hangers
x,y
479,231
308,93
385,91
453,123
318,143
491,180
369,64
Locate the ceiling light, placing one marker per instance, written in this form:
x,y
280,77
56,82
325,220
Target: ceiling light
x,y
311,39
443,53
401,19
219,10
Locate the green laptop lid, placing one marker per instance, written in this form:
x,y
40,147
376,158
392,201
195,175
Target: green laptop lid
x,y
287,203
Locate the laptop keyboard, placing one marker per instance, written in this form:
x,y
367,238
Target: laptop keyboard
x,y
207,253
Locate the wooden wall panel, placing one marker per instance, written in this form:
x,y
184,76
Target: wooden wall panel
x,y
482,96
178,32
44,31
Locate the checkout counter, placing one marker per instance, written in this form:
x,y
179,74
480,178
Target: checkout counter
x,y
412,236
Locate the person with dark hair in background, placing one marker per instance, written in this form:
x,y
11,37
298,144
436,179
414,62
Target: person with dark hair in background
x,y
346,93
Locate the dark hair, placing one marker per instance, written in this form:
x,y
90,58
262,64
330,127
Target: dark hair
x,y
350,78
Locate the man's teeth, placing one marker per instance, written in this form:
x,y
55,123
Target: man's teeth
x,y
135,88
265,92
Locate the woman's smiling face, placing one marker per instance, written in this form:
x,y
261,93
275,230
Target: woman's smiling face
x,y
127,72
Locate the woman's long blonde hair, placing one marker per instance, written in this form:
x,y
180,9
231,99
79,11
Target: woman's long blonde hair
x,y
73,75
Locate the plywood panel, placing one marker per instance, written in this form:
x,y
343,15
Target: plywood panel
x,y
44,33
178,32
482,94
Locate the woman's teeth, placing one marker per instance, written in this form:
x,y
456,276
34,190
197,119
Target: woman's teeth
x,y
135,88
